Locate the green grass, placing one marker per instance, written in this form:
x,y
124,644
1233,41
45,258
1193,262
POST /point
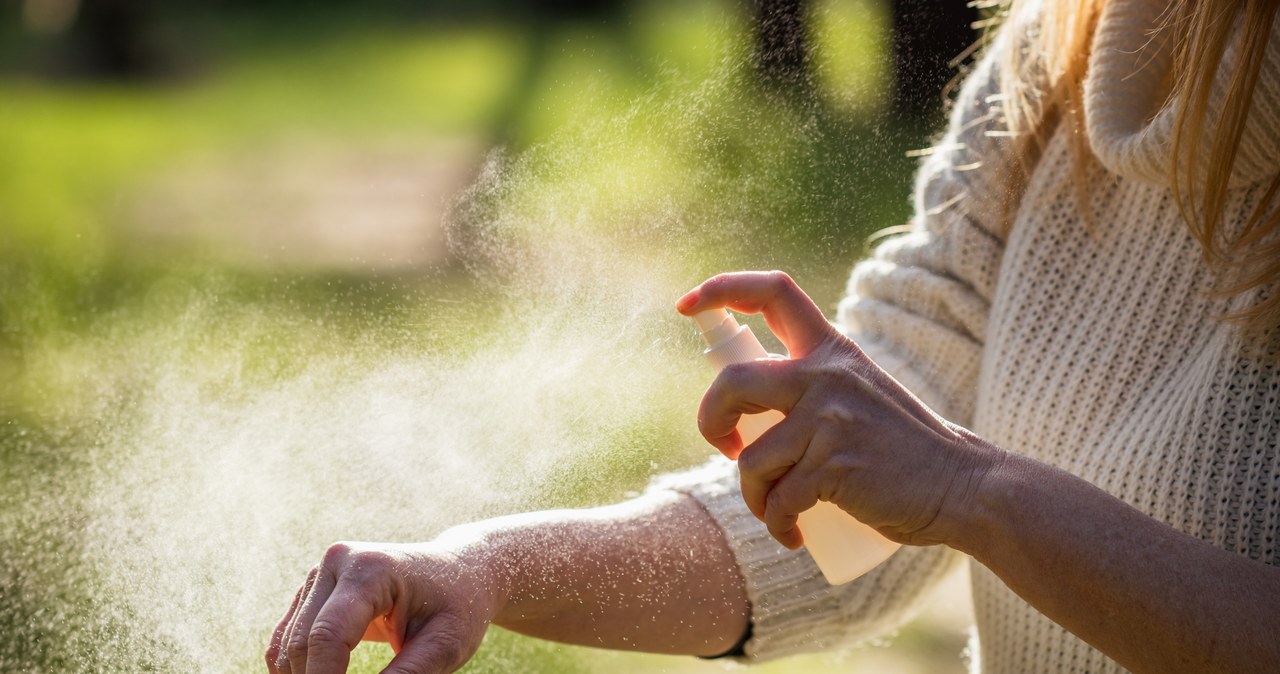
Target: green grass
x,y
639,154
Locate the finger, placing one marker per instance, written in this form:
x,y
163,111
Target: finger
x,y
285,665
275,650
788,311
342,622
299,637
745,388
768,459
441,646
793,493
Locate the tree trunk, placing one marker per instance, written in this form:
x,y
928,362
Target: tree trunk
x,y
927,35
782,56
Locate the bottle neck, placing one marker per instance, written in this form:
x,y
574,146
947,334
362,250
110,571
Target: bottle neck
x,y
740,347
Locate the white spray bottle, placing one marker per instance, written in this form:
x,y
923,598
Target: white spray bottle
x,y
843,547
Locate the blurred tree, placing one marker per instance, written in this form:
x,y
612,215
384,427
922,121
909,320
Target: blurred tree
x,y
114,39
782,57
575,8
49,16
927,36
543,21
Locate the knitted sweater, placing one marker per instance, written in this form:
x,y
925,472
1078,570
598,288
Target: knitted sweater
x,y
1091,346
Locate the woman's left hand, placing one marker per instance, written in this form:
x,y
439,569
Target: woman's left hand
x,y
852,434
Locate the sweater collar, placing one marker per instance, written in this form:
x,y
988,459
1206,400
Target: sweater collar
x,y
1128,116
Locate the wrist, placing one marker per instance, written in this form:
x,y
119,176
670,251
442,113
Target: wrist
x,y
983,495
483,550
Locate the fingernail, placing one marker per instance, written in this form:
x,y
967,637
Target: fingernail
x,y
690,298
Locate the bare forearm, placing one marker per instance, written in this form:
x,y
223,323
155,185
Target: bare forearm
x,y
1151,597
653,574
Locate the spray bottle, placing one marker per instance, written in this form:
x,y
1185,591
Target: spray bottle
x,y
843,547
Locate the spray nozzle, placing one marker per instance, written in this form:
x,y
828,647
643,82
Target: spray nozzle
x,y
716,325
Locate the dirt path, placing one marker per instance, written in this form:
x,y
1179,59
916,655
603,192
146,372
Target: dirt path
x,y
311,206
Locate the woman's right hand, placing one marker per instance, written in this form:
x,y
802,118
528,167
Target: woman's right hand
x,y
431,601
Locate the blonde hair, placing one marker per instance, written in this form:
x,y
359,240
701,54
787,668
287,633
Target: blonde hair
x,y
1200,32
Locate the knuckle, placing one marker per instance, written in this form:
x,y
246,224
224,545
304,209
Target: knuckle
x,y
781,280
324,633
452,653
735,375
369,569
357,564
776,500
750,462
272,656
336,554
829,488
763,466
296,649
372,562
835,413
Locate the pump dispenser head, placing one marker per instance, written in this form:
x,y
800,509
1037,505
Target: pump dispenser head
x,y
716,325
727,342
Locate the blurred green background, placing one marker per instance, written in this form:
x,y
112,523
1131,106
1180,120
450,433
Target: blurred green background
x,y
234,195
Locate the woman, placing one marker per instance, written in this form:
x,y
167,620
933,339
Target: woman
x,y
1089,284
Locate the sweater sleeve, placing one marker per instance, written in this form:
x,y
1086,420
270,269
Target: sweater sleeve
x,y
918,307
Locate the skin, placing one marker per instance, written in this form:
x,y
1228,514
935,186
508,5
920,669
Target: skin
x,y
651,574
656,573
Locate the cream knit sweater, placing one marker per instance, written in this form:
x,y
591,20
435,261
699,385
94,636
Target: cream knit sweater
x,y
1094,349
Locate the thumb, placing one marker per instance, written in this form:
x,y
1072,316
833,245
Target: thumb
x,y
442,645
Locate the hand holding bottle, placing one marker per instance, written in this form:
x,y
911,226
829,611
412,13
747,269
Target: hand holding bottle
x,y
852,435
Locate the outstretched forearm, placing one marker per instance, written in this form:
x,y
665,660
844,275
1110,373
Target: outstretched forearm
x,y
1152,598
652,574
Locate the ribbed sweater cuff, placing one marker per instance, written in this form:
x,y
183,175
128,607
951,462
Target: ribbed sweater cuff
x,y
792,609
